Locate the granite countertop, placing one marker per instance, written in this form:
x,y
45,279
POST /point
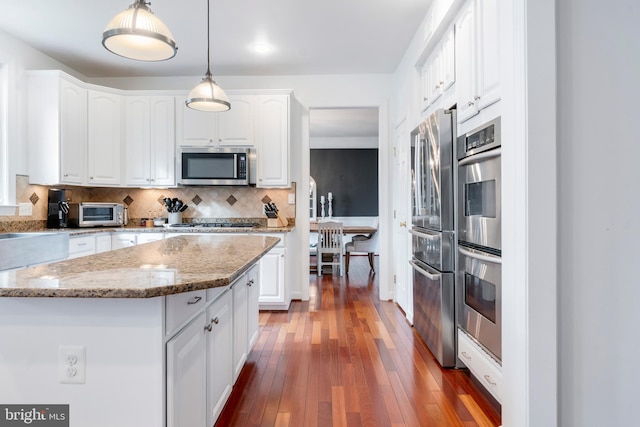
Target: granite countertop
x,y
170,266
138,229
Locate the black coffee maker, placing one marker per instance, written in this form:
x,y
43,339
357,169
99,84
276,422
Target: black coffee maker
x,y
58,208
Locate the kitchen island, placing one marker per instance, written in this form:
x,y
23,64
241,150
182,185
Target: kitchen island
x,y
151,335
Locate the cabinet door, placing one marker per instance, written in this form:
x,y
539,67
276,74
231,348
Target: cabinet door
x,y
253,309
122,240
187,376
103,243
465,63
272,276
235,127
104,138
219,355
240,341
163,140
448,66
272,141
137,141
73,133
488,41
193,127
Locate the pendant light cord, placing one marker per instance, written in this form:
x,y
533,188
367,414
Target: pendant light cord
x,y
208,40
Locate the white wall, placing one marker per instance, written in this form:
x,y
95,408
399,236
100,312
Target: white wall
x,y
599,201
18,57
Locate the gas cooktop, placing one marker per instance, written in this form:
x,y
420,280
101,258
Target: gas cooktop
x,y
216,225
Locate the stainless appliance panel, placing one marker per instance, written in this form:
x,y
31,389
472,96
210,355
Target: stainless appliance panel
x,y
212,166
434,311
479,286
479,187
95,214
432,171
434,248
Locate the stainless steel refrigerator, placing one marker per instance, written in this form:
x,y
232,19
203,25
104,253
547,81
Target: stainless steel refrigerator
x,y
433,234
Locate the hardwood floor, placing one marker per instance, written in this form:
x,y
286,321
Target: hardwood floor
x,y
345,358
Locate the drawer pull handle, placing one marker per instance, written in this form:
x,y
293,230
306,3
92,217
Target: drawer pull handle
x,y
488,378
216,320
250,282
464,353
82,244
195,300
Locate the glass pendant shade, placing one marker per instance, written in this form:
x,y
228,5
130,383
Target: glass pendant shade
x,y
138,34
208,96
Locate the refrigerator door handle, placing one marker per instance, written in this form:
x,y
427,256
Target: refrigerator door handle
x,y
424,272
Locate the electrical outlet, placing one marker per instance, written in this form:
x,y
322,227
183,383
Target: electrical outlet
x,y
292,198
72,366
25,209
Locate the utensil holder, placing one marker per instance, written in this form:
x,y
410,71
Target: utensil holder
x,y
175,218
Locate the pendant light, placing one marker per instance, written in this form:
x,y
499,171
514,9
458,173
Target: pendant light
x,y
207,95
138,34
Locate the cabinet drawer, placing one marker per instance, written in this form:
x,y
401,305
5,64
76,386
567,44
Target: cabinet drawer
x,y
181,307
214,293
82,246
481,365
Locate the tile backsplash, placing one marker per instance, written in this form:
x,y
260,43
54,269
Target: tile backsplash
x,y
204,202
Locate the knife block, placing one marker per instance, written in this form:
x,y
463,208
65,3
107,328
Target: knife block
x,y
273,222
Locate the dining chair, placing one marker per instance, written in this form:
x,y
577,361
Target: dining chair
x,y
362,243
330,242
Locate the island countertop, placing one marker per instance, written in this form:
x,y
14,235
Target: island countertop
x,y
170,266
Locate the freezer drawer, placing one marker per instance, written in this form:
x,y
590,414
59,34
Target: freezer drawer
x,y
433,311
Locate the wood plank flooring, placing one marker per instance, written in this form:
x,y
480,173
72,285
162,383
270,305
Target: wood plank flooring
x,y
345,358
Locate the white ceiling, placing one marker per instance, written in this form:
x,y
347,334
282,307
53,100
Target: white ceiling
x,y
308,36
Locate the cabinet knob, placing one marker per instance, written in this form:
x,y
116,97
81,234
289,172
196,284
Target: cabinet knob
x,y
437,86
470,103
403,224
216,320
65,175
475,98
425,99
90,177
250,282
441,84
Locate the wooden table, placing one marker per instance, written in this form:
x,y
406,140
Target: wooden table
x,y
347,229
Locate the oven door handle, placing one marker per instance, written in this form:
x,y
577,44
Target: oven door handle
x,y
425,272
486,258
481,156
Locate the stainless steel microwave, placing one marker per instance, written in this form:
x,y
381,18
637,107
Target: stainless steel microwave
x,y
212,166
94,214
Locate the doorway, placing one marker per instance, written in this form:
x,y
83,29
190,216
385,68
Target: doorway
x,y
344,165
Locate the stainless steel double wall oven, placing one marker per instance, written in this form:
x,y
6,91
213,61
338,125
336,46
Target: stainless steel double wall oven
x,y
433,236
479,209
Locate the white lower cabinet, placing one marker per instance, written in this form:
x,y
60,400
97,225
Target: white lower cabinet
x,y
123,240
103,243
82,246
253,309
205,357
240,339
220,367
187,376
274,294
482,366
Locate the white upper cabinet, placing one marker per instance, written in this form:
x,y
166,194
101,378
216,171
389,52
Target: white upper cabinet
x,y
149,141
193,127
272,141
438,71
104,138
57,129
477,58
236,126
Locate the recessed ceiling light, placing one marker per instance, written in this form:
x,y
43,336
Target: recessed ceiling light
x,y
262,48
